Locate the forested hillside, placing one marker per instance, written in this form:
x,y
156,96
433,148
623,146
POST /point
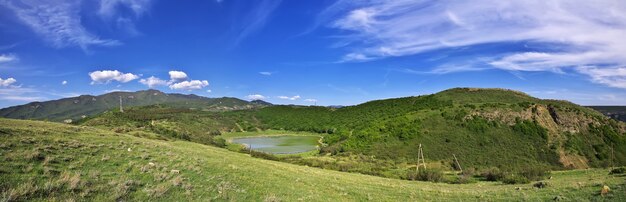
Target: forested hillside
x,y
77,108
484,127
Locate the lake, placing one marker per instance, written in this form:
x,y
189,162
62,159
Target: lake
x,y
280,144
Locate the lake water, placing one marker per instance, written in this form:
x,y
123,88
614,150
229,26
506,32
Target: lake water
x,y
280,144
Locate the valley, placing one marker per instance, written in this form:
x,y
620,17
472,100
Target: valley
x,y
507,143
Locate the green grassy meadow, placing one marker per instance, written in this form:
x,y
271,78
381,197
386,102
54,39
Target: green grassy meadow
x,y
52,161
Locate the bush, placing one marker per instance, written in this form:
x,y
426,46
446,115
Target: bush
x,y
620,170
540,185
463,179
262,155
469,172
431,175
514,179
534,173
492,174
220,142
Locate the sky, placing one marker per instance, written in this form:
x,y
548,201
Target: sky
x,y
312,52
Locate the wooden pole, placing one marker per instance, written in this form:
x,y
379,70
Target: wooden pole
x,y
420,156
457,163
422,152
612,156
121,109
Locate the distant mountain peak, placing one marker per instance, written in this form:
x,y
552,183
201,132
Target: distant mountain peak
x,y
261,102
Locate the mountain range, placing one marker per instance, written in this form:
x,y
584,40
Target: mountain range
x,y
76,108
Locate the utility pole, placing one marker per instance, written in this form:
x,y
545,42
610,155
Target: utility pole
x,y
457,163
121,108
612,156
420,157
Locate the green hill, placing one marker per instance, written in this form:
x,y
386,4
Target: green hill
x,y
77,108
53,161
484,128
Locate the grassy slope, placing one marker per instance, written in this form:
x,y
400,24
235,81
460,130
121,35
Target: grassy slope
x,y
40,160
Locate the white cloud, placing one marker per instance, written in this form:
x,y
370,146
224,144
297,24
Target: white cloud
x,y
356,57
289,98
17,93
256,97
116,90
63,82
152,82
255,19
8,58
106,76
7,82
108,8
123,13
176,76
58,22
178,81
21,98
310,100
266,73
190,85
610,76
576,33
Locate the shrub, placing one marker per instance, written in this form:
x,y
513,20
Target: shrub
x,y
463,179
493,174
534,173
469,172
220,142
620,170
262,155
540,185
431,175
514,179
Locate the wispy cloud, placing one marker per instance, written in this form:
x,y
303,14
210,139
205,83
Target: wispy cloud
x,y
610,76
8,58
109,11
116,90
109,8
256,19
292,98
11,92
586,33
57,22
266,73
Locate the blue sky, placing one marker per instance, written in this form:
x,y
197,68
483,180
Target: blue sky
x,y
307,52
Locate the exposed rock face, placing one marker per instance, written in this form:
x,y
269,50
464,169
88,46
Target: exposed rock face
x,y
558,121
